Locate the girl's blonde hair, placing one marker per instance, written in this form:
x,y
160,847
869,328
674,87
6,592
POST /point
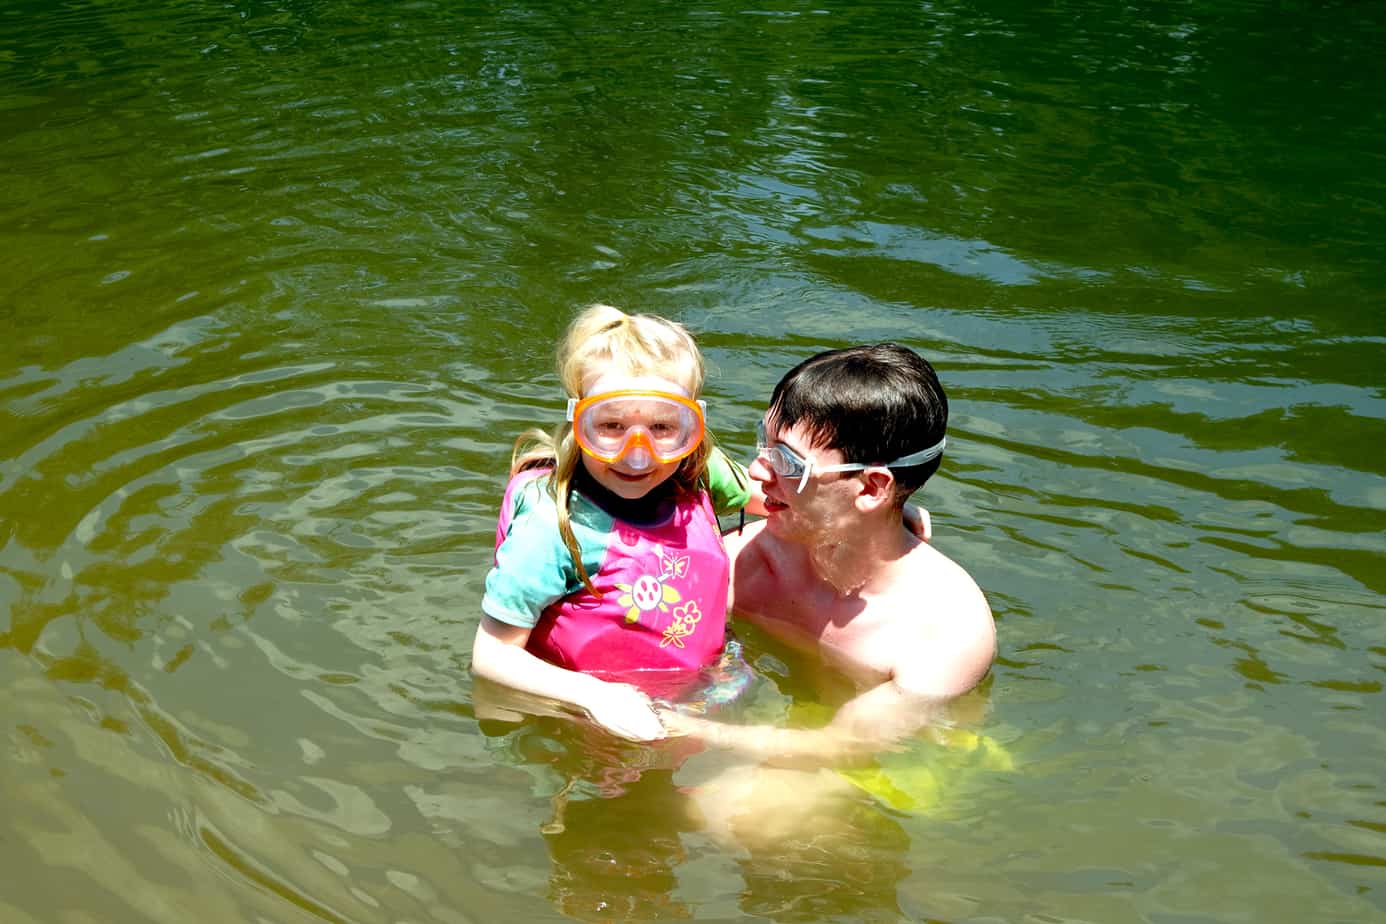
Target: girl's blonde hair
x,y
603,340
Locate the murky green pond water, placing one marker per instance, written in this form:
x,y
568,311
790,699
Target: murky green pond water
x,y
280,282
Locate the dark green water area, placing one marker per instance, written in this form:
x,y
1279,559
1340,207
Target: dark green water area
x,y
280,282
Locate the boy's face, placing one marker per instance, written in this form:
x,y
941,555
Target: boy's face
x,y
826,503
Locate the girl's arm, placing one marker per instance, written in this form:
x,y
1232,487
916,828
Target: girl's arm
x,y
499,655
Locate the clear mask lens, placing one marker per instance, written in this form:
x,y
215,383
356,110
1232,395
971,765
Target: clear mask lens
x,y
642,427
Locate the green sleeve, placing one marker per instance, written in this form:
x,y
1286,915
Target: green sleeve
x,y
727,483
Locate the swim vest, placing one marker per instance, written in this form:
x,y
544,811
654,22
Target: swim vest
x,y
660,611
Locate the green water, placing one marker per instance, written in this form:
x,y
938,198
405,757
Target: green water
x,y
280,282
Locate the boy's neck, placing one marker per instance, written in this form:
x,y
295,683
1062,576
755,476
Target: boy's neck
x,y
862,562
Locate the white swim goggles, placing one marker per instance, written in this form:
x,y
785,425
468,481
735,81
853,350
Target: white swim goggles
x,y
643,427
786,463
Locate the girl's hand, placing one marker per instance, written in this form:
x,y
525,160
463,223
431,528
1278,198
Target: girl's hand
x,y
499,655
624,711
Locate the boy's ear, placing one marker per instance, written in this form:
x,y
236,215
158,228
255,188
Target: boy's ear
x,y
877,489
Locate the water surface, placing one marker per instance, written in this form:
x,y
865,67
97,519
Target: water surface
x,y
281,281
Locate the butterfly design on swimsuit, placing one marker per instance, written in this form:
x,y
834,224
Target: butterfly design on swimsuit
x,y
675,566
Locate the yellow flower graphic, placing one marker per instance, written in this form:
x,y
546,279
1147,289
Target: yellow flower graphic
x,y
647,594
685,621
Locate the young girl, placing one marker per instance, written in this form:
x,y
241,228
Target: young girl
x,y
610,579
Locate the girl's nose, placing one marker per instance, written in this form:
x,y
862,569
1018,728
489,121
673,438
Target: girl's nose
x,y
638,459
637,454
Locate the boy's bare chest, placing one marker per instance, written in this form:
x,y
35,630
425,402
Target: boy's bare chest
x,y
850,633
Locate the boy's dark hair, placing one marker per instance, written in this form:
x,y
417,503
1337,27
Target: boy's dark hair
x,y
873,403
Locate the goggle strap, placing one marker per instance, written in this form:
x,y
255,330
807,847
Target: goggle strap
x,y
914,458
920,457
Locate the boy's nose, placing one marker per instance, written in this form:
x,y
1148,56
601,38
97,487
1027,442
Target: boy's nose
x,y
760,470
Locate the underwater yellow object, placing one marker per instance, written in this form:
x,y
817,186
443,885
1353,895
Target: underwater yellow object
x,y
915,786
994,755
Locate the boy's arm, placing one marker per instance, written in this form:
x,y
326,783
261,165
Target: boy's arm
x,y
933,670
876,721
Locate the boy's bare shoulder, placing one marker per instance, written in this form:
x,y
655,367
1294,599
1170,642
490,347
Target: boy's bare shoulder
x,y
951,641
928,572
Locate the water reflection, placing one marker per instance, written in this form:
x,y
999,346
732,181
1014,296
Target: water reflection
x,y
631,838
617,857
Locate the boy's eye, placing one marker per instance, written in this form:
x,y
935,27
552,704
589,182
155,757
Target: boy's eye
x,y
610,426
788,464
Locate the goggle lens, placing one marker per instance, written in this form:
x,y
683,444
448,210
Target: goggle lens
x,y
781,459
609,425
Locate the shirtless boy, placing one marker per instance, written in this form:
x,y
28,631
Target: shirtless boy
x,y
848,436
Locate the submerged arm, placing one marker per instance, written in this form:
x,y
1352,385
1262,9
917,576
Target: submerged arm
x,y
877,720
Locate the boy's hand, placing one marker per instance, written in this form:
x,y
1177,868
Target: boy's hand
x,y
677,725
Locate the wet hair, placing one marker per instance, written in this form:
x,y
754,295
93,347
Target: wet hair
x,y
600,341
872,403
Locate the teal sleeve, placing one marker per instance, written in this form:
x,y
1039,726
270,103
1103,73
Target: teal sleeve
x,y
533,567
728,484
532,570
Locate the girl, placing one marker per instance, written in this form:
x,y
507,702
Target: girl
x,y
610,579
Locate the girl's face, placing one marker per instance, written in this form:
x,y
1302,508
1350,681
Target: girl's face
x,y
636,473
